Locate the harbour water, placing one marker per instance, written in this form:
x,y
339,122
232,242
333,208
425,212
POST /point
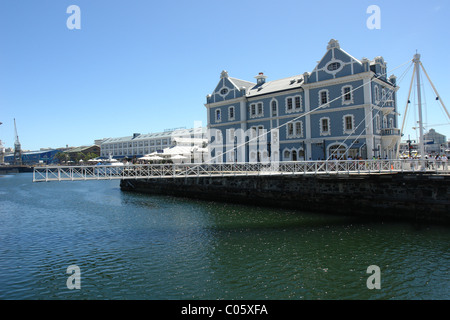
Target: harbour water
x,y
135,246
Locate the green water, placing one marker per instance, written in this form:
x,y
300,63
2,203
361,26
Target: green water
x,y
134,246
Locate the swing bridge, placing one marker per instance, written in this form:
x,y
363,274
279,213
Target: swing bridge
x,y
190,170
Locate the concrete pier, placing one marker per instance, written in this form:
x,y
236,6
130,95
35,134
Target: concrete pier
x,y
405,196
15,169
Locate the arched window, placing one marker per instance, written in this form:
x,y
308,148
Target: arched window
x,y
294,155
274,108
218,115
377,94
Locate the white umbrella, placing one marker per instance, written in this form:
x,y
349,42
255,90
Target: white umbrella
x,y
177,156
150,158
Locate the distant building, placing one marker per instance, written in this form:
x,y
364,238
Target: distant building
x,y
2,152
84,150
36,157
345,107
434,142
138,145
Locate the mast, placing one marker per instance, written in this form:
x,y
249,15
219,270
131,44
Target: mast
x,y
419,105
2,151
17,149
417,65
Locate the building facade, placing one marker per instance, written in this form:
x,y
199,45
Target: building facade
x,y
434,142
46,157
344,108
138,145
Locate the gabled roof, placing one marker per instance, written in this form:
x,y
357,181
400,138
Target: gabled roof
x,y
293,82
159,135
81,149
335,63
238,83
119,139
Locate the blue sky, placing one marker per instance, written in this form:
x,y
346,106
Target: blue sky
x,y
145,66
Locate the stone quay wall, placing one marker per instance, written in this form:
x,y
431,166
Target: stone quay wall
x,y
405,196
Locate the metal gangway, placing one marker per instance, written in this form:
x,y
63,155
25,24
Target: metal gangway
x,y
192,170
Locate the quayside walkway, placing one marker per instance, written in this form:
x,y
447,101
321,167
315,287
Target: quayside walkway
x,y
190,170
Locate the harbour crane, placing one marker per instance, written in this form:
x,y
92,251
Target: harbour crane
x,y
17,149
2,151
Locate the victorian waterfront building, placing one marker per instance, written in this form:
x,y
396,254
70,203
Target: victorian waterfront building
x,y
138,145
344,108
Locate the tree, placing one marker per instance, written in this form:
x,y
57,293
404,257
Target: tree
x,y
89,156
61,157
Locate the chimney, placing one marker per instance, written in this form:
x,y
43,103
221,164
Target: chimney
x,y
366,64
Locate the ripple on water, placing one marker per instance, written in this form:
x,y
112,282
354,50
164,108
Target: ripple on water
x,y
132,246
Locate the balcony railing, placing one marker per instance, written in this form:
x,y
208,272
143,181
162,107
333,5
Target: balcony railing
x,y
390,132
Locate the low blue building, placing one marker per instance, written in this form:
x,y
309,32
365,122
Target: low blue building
x,y
36,157
344,108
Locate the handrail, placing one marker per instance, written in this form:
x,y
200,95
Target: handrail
x,y
147,171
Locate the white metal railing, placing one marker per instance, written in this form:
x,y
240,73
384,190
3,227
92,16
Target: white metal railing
x,y
139,171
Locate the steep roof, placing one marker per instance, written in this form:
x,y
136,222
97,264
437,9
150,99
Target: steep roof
x,y
293,82
238,83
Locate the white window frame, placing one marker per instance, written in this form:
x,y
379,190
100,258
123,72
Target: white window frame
x,y
295,133
274,114
290,127
377,123
260,109
218,115
256,106
226,93
252,108
291,109
344,100
294,105
326,104
325,133
344,124
376,94
230,116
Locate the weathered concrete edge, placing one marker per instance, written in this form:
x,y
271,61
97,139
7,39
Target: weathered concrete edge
x,y
404,196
